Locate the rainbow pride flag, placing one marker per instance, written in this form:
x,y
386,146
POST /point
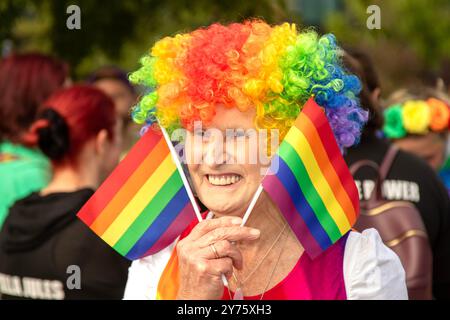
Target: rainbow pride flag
x,y
143,206
311,184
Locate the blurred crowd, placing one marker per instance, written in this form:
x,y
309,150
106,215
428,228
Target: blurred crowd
x,y
59,140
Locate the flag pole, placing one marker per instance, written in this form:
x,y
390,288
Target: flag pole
x,y
181,171
253,202
252,205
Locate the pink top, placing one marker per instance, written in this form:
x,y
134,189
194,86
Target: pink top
x,y
318,279
364,255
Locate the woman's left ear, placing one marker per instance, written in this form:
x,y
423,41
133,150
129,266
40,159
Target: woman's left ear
x,y
101,141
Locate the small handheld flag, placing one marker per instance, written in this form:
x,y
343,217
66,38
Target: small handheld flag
x,y
311,184
143,206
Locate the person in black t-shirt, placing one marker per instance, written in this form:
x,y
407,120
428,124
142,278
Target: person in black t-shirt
x,y
46,252
409,178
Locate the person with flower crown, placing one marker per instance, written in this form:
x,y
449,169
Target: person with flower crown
x,y
252,75
419,123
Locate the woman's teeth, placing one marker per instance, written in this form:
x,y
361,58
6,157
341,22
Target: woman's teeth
x,y
223,180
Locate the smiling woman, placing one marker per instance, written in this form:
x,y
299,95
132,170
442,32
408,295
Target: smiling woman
x,y
252,76
220,176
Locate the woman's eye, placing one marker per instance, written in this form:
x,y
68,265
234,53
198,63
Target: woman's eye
x,y
199,133
232,134
203,134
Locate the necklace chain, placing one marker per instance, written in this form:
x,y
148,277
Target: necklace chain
x,y
262,259
241,283
273,270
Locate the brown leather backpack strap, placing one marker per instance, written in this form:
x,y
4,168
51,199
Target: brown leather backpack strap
x,y
385,166
363,163
387,161
382,171
372,164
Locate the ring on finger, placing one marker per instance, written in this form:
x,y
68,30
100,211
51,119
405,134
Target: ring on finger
x,y
214,251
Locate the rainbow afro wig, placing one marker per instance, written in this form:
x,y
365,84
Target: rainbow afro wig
x,y
248,65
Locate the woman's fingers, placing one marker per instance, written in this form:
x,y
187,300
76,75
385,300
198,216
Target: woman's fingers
x,y
221,266
205,226
223,248
228,233
204,268
202,265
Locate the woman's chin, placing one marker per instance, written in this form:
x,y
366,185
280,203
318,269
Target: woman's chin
x,y
221,206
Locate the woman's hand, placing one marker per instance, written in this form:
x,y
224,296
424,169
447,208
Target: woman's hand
x,y
207,253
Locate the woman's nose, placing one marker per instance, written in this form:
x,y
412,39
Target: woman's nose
x,y
217,152
214,154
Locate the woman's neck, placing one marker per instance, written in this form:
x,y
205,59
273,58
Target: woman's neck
x,y
266,217
261,256
68,179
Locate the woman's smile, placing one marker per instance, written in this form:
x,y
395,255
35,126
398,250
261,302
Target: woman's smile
x,y
223,180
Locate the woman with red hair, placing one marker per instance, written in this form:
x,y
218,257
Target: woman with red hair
x,y
26,80
42,239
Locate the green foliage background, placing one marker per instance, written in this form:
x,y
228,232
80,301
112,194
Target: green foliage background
x,y
413,44
116,31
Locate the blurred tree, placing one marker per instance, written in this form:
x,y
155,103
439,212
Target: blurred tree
x,y
9,10
413,39
116,31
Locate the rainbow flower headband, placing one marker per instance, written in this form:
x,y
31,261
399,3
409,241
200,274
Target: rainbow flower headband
x,y
416,117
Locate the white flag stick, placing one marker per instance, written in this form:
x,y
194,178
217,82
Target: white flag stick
x,y
253,202
252,205
182,174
